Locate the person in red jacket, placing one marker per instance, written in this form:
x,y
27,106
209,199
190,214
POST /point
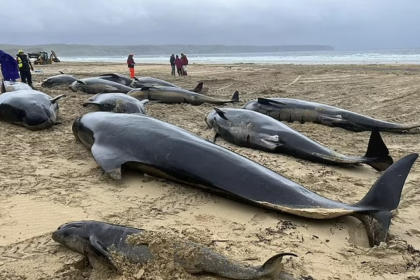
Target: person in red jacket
x,y
130,64
184,60
178,64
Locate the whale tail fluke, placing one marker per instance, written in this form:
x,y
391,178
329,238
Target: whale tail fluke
x,y
384,195
273,266
378,151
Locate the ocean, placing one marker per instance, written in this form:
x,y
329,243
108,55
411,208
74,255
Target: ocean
x,y
402,56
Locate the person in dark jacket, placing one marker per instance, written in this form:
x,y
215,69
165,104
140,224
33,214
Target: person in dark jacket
x,y
130,64
172,61
184,60
178,64
25,67
9,68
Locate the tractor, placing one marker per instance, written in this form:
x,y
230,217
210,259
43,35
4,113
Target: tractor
x,y
42,57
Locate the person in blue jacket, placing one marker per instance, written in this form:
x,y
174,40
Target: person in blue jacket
x,y
9,67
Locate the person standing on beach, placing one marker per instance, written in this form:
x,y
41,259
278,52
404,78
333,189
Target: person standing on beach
x,y
184,60
172,61
130,64
25,67
9,67
178,64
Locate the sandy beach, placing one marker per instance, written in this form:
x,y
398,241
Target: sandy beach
x,y
48,178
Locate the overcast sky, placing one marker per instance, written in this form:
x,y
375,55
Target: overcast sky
x,y
343,24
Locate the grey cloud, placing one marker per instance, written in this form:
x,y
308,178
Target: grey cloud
x,y
341,23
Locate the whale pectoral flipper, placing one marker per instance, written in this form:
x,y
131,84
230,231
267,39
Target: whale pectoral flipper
x,y
100,253
108,159
270,141
220,113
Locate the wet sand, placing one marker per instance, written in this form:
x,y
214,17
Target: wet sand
x,y
49,178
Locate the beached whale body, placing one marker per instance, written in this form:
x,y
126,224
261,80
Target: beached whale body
x,y
117,103
32,109
251,129
174,95
163,150
97,240
151,82
98,85
7,86
58,80
118,78
291,110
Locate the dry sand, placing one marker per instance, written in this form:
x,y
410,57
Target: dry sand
x,y
48,178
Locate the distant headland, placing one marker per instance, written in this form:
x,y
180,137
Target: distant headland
x,y
73,50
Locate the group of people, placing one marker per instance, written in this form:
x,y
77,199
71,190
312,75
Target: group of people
x,y
13,69
180,64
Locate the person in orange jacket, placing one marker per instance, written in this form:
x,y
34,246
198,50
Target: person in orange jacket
x,y
130,64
